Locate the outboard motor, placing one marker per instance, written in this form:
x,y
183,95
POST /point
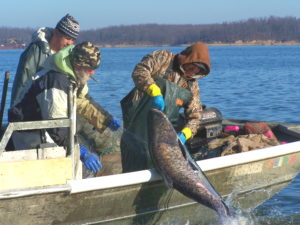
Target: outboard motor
x,y
211,123
211,127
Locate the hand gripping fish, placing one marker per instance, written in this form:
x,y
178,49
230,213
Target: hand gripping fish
x,y
177,169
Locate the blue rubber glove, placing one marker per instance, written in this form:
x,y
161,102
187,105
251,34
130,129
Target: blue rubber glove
x,y
182,137
90,161
158,102
115,124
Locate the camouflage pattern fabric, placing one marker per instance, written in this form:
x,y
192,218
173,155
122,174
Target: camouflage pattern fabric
x,y
160,63
86,55
96,115
93,112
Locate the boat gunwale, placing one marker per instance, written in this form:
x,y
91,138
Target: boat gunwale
x,y
34,191
151,175
144,176
250,156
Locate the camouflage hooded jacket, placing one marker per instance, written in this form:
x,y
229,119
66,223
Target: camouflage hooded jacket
x,y
163,63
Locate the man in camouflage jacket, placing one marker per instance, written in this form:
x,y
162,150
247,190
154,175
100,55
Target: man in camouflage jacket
x,y
183,69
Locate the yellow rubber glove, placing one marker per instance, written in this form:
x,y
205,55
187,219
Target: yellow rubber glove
x,y
153,90
157,98
187,132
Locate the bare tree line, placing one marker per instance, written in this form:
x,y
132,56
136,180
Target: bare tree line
x,y
280,29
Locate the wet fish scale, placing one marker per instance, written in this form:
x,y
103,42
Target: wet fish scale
x,y
174,167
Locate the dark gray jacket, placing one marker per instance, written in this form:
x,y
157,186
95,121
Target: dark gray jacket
x,y
31,61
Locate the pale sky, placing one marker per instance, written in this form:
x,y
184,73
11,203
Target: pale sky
x,y
93,14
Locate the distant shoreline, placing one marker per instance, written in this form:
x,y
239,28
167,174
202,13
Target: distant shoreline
x,y
256,42
236,43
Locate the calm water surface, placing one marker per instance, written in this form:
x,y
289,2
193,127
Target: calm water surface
x,y
253,82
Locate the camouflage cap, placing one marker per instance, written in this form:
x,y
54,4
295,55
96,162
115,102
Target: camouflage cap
x,y
86,55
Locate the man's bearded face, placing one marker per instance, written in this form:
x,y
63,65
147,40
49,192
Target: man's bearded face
x,y
83,75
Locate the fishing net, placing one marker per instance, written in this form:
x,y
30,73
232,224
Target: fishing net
x,y
105,144
250,137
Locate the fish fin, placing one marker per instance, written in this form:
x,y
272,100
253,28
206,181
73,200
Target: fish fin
x,y
188,157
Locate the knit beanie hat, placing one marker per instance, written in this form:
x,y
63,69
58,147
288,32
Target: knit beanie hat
x,y
68,26
86,55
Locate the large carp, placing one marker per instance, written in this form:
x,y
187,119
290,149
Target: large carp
x,y
171,161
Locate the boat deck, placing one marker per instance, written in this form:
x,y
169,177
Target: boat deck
x,y
245,180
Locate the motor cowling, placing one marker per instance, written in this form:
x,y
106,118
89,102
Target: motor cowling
x,y
211,123
211,127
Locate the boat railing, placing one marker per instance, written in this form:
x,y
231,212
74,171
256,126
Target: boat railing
x,y
68,122
31,125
